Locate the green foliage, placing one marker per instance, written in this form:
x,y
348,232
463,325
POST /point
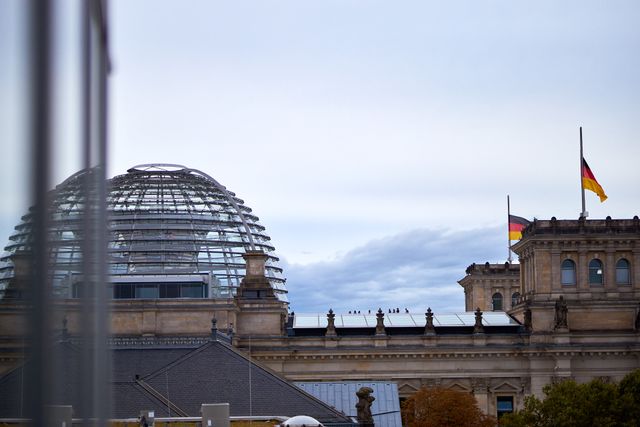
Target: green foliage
x,y
569,404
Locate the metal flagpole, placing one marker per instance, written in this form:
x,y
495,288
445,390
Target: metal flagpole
x,y
508,235
584,213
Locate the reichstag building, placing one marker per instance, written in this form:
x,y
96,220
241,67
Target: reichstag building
x,y
190,269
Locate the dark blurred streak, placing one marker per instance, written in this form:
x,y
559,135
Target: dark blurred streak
x,y
44,381
39,341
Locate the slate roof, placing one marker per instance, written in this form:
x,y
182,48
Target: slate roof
x,y
146,378
342,395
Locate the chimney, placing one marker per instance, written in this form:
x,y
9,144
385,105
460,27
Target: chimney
x,y
255,284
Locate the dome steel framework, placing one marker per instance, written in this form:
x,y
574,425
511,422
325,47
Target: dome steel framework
x,y
174,232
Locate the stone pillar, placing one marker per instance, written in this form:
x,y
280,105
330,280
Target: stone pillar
x,y
259,313
255,284
556,261
481,393
609,273
582,267
635,266
528,320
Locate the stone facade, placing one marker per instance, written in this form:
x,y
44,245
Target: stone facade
x,y
591,332
491,287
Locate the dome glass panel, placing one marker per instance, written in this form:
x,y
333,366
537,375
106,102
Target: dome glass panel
x,y
174,232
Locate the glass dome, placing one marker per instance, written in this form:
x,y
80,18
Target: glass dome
x,y
174,232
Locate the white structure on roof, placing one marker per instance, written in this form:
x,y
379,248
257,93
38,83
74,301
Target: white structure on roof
x,y
302,421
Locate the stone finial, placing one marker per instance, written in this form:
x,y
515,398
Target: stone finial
x,y
380,323
429,329
331,326
477,327
214,329
561,312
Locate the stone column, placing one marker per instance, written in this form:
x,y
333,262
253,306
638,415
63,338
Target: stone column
x,y
481,393
582,269
556,285
609,273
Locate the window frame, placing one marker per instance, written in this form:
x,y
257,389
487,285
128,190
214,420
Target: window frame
x,y
514,298
505,398
627,269
564,269
493,302
594,266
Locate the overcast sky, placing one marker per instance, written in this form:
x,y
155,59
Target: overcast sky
x,y
377,140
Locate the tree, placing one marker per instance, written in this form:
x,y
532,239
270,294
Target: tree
x,y
569,404
629,389
441,407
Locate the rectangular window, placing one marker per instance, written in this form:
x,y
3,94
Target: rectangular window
x,y
170,291
192,291
147,291
124,291
504,405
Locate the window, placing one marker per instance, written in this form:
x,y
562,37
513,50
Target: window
x,y
496,300
568,272
595,272
170,290
147,291
504,405
514,298
123,291
622,272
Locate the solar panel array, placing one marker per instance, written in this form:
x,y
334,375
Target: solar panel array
x,y
402,320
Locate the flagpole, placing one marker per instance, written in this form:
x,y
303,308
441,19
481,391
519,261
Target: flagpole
x,y
508,236
584,209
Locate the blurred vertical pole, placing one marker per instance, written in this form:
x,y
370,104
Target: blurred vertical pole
x,y
39,376
95,361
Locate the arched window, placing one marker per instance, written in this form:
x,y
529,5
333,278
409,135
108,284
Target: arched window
x,y
568,272
496,299
622,272
595,272
514,298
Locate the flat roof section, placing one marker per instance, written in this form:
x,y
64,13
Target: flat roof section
x,y
402,320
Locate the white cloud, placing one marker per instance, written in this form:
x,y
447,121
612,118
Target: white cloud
x,y
414,270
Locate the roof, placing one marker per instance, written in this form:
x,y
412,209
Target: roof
x,y
342,395
150,378
402,320
163,221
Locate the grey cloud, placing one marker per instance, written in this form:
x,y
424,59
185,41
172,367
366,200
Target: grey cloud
x,y
415,270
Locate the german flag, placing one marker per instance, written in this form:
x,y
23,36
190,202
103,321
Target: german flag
x,y
516,225
589,181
